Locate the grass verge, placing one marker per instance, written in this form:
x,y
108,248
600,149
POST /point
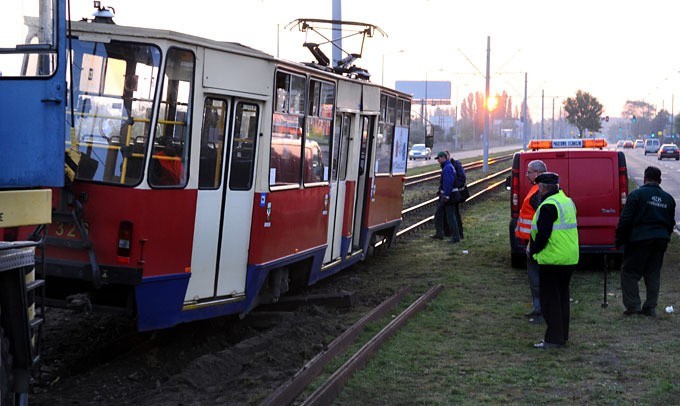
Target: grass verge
x,y
473,345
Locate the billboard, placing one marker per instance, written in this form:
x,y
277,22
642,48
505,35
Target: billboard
x,y
436,92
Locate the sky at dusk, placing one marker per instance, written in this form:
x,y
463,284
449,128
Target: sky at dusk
x,y
615,50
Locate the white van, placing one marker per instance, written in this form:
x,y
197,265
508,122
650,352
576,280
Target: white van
x,y
652,145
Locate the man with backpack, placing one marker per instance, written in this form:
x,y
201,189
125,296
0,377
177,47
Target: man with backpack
x,y
445,213
459,190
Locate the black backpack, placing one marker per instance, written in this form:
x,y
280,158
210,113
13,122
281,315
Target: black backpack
x,y
460,174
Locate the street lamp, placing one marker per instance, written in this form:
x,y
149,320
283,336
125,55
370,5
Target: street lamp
x,y
382,66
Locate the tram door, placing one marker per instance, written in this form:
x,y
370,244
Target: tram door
x,y
363,188
225,198
342,190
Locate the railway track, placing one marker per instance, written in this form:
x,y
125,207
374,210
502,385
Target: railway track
x,y
412,221
420,193
330,388
434,175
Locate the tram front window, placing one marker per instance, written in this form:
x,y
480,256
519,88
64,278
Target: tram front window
x,y
114,85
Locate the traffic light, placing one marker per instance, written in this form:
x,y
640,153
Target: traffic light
x,y
606,119
634,119
652,134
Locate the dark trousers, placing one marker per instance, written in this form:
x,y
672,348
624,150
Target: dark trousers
x,y
446,214
642,259
459,220
534,284
554,295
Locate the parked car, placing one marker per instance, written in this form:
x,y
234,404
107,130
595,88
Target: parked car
x,y
652,146
419,151
627,144
619,144
668,151
639,144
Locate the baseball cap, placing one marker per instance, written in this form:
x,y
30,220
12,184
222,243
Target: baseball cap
x,y
549,178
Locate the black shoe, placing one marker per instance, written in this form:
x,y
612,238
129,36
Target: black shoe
x,y
455,241
536,320
437,237
532,313
648,312
629,312
547,346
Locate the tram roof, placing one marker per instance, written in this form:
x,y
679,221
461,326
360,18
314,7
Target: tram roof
x,y
99,32
98,29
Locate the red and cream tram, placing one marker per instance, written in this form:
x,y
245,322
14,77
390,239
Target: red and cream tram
x,y
213,177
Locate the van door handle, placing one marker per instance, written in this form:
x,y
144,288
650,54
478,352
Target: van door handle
x,y
51,100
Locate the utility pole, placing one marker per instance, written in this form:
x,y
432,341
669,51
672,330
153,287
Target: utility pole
x,y
553,119
337,32
525,128
485,166
542,115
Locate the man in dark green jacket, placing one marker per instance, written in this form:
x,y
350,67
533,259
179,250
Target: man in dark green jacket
x,y
644,230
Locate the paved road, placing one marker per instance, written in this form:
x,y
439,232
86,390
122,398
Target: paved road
x,y
670,174
468,153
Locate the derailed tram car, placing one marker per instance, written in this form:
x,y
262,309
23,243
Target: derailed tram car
x,y
214,177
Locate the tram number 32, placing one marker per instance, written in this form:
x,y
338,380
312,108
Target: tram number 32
x,y
70,230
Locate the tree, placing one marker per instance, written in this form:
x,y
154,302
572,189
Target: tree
x,y
660,123
643,113
583,112
640,109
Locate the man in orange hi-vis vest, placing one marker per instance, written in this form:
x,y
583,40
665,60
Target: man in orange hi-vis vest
x,y
523,232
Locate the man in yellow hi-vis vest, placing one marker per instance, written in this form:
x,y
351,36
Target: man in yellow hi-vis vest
x,y
554,245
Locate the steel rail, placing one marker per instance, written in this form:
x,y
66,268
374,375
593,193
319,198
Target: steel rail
x,y
287,392
427,176
327,392
474,196
473,184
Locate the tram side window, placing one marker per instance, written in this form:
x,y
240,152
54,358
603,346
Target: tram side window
x,y
246,124
212,143
113,93
385,136
287,124
318,137
171,142
401,131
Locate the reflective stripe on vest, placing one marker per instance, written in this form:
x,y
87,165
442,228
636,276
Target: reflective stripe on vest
x,y
562,247
526,215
